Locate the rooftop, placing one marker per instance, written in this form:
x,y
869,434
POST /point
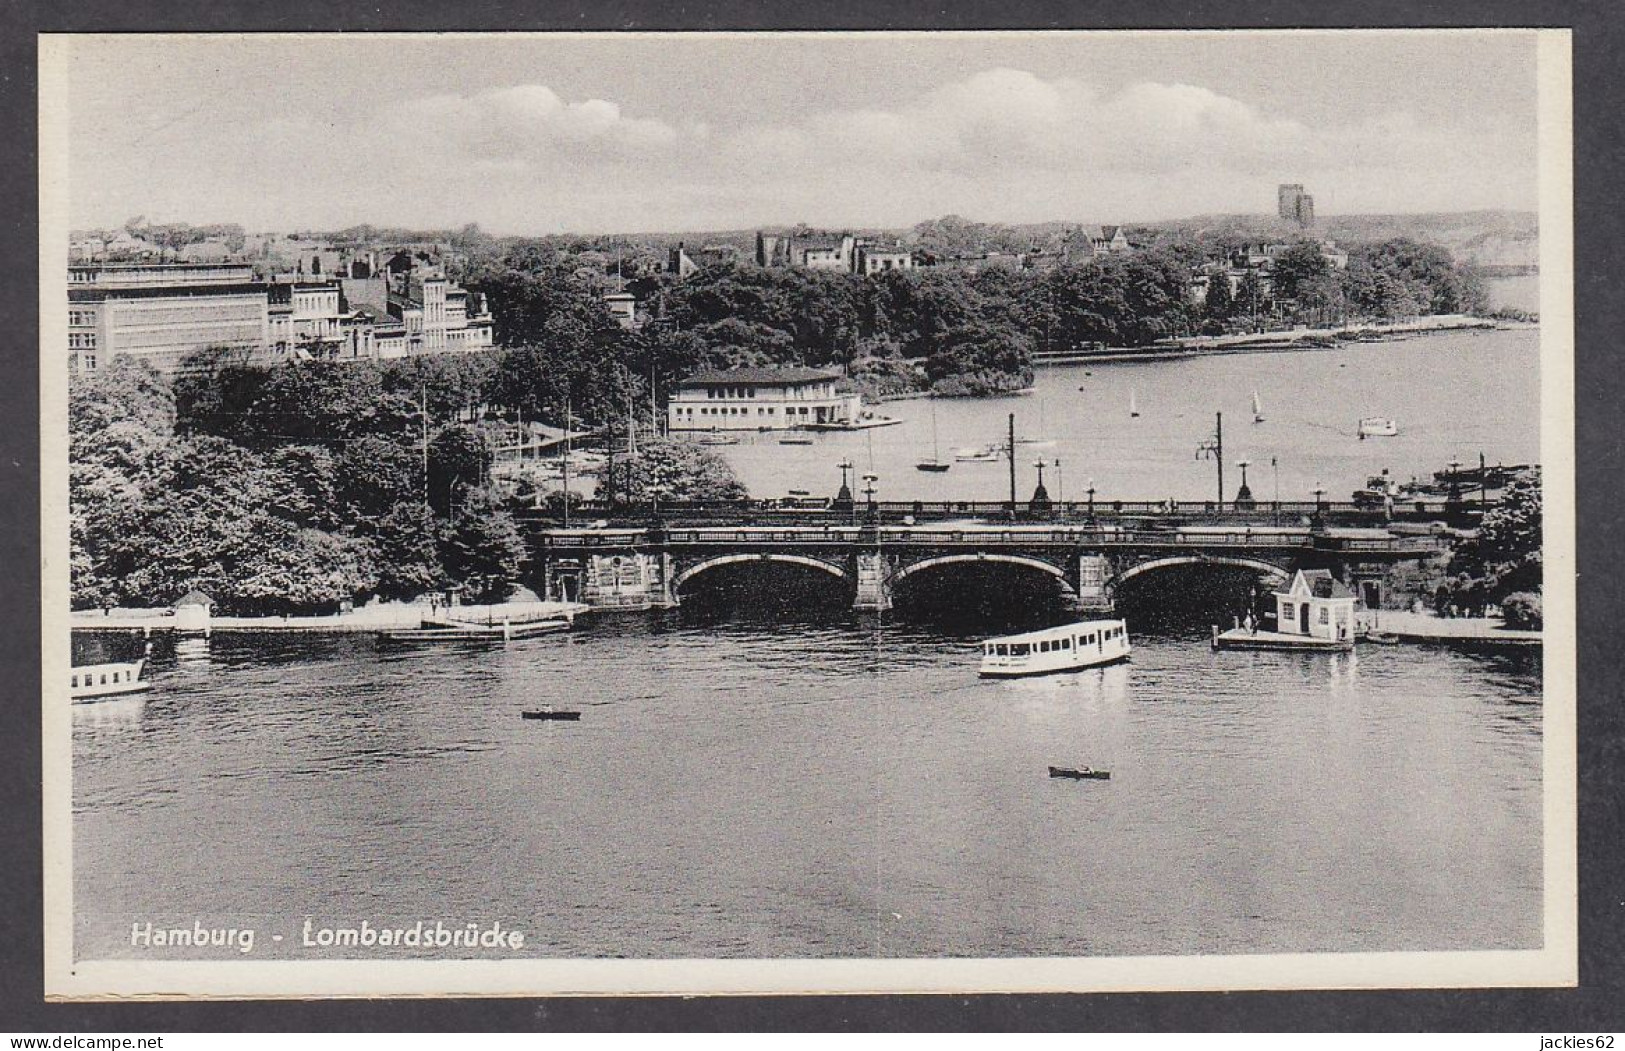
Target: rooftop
x,y
761,377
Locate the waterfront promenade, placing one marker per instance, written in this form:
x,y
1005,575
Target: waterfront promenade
x,y
380,616
1428,627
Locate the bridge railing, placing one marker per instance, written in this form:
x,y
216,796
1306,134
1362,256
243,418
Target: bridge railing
x,y
982,536
814,511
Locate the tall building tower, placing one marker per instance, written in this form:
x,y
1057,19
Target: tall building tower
x,y
1293,205
1287,197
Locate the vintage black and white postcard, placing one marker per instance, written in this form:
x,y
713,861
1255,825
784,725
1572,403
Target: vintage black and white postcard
x,y
771,512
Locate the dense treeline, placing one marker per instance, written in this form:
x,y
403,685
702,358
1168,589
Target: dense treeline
x,y
298,487
283,490
944,329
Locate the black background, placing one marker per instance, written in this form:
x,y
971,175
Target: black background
x,y
1599,52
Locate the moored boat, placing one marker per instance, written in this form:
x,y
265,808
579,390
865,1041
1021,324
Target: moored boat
x,y
936,463
1065,647
437,632
93,681
986,454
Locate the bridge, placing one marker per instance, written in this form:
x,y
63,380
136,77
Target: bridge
x,y
645,559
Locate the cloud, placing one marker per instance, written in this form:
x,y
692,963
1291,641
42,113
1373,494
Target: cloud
x,y
999,144
1010,123
526,122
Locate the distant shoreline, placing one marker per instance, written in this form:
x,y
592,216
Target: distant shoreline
x,y
1288,340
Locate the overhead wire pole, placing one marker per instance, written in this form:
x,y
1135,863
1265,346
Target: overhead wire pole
x,y
1010,450
1218,441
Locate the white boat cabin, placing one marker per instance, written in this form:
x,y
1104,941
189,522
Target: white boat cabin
x,y
1315,604
1066,647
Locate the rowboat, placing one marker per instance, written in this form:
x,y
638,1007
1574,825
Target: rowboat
x,y
1082,773
550,713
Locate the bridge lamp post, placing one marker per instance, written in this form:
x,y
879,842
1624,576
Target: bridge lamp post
x,y
869,481
1244,495
844,497
1091,492
1040,501
1318,521
1060,480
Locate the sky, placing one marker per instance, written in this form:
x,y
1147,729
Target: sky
x,y
606,133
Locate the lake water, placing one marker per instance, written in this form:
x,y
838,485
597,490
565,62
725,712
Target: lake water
x,y
1452,395
820,786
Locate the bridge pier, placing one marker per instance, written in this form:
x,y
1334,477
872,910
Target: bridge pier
x,y
873,578
1094,593
627,580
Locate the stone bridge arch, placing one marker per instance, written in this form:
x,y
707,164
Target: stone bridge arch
x,y
909,569
686,574
1271,569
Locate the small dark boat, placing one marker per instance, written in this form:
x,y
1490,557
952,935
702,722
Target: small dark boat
x,y
1381,638
1084,773
550,713
932,465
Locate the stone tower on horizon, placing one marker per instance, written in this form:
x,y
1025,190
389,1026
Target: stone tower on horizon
x,y
1293,204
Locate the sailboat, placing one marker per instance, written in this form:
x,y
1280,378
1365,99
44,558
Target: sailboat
x,y
936,463
1040,442
1258,410
1133,409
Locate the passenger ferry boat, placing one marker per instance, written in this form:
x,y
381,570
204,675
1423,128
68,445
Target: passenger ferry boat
x,y
93,681
1066,647
1378,427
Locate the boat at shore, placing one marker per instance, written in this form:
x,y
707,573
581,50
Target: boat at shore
x,y
862,423
436,632
1065,647
92,682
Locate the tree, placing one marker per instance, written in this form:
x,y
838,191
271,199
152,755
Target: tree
x,y
406,551
1221,302
1298,269
482,549
666,470
1506,556
459,460
299,570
